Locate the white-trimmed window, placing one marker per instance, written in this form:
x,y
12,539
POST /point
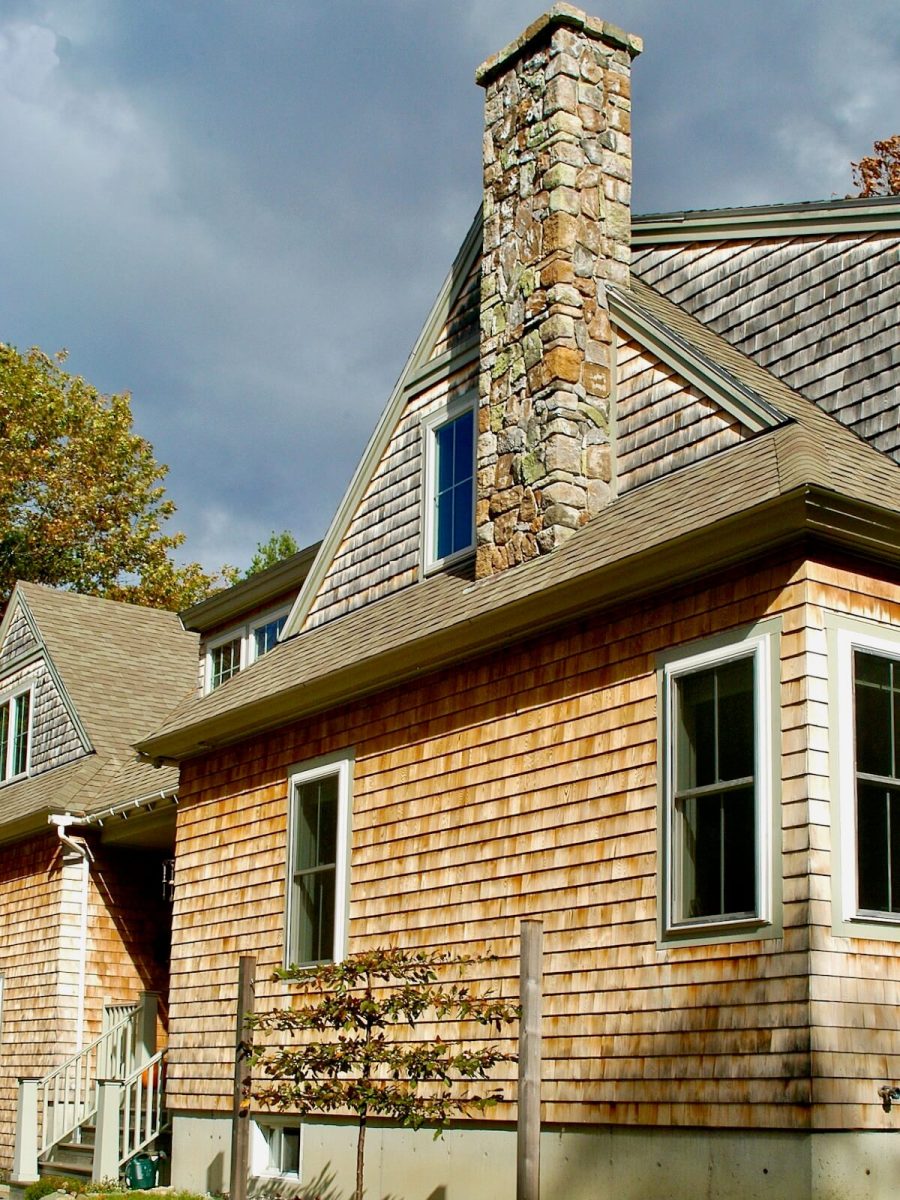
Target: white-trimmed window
x,y
264,634
224,658
318,860
231,652
867,713
449,515
15,734
276,1149
717,756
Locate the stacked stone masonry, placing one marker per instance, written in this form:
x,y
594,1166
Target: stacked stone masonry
x,y
557,190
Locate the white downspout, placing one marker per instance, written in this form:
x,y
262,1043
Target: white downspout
x,y
62,821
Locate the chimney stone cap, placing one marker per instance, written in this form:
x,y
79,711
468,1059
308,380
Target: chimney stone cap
x,y
560,15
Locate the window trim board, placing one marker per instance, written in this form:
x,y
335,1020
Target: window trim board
x,y
9,696
844,635
449,411
760,641
340,763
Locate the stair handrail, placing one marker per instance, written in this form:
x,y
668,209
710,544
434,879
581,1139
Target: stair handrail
x,y
130,1116
67,1095
143,1106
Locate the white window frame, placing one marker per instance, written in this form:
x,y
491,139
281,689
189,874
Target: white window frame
x,y
341,765
7,697
259,623
431,423
846,635
761,644
247,635
267,1148
222,639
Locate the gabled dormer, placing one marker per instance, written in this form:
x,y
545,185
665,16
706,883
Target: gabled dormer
x,y
39,726
80,679
241,624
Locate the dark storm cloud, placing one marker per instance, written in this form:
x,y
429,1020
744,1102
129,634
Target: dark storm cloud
x,y
242,211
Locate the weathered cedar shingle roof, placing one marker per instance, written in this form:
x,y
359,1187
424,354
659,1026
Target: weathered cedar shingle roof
x,y
809,474
124,668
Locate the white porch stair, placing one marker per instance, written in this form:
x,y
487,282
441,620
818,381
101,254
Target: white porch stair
x,y
86,1118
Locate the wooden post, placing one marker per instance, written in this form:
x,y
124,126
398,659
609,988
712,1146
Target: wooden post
x,y
240,1120
146,1030
528,1131
108,1134
25,1157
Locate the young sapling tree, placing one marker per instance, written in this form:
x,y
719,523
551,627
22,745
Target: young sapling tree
x,y
357,1049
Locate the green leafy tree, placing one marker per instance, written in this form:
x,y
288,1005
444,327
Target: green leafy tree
x,y
81,498
278,547
878,174
357,1019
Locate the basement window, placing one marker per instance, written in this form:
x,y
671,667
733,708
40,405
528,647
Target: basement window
x,y
717,806
276,1149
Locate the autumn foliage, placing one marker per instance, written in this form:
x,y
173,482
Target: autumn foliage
x,y
81,498
878,174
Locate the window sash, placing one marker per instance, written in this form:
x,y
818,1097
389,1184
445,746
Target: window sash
x,y
15,736
454,479
448,511
225,661
265,635
716,786
876,761
317,862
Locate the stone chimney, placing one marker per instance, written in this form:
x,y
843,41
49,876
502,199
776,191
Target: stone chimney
x,y
557,228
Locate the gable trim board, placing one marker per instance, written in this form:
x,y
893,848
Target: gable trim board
x,y
37,653
717,384
807,219
409,377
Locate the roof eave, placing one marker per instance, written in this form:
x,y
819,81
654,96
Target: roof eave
x,y
233,602
814,217
807,511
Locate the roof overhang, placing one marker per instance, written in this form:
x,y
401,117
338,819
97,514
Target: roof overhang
x,y
233,602
807,512
810,218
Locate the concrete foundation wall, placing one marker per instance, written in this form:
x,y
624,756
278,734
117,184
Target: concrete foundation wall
x,y
593,1164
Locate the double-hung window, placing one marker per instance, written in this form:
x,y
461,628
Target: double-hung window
x,y
876,695
865,701
318,860
449,525
15,735
718,777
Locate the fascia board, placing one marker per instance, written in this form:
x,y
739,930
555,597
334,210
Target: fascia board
x,y
26,826
15,602
785,520
373,452
708,377
803,220
234,601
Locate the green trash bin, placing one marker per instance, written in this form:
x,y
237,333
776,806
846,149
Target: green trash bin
x,y
141,1172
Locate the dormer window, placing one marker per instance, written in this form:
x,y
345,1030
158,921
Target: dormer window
x,y
449,526
237,648
225,660
15,735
